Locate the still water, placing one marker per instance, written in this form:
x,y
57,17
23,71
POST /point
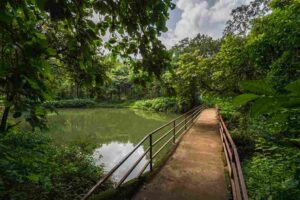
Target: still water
x,y
110,132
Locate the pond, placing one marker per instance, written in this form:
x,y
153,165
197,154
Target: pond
x,y
110,132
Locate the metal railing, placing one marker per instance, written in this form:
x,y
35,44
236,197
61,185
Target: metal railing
x,y
178,126
238,185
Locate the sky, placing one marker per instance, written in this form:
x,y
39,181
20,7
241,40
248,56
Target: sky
x,y
191,17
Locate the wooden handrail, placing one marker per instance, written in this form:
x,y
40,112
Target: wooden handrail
x,y
184,123
238,186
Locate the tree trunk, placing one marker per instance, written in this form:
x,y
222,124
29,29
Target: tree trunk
x,y
4,119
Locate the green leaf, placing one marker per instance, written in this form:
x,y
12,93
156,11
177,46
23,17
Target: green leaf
x,y
243,99
279,117
291,102
51,51
257,87
294,87
4,17
33,84
17,114
81,65
112,40
4,69
34,177
41,36
40,4
263,106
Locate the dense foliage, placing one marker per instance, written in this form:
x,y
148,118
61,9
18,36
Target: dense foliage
x,y
161,104
57,50
33,168
43,40
258,61
69,103
49,48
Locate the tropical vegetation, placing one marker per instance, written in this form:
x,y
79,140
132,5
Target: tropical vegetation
x,y
54,55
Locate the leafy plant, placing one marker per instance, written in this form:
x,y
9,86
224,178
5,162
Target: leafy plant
x,y
268,101
273,172
161,104
33,168
70,103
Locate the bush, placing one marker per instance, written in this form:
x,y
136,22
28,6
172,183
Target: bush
x,y
70,103
161,104
245,143
32,168
273,172
270,164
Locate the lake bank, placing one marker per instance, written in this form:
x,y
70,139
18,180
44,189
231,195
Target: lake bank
x,y
108,133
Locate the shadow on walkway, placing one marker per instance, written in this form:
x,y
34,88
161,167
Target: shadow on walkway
x,y
195,170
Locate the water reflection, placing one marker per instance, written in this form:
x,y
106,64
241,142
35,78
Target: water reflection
x,y
114,131
108,155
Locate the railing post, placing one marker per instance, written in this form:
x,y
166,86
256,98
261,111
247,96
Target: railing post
x,y
150,152
174,131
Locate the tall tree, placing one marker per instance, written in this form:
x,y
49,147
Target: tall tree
x,y
37,36
240,24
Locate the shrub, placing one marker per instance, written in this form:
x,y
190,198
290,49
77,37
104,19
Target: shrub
x,y
33,168
70,103
273,172
245,143
161,104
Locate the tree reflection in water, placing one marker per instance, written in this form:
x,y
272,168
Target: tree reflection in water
x,y
110,154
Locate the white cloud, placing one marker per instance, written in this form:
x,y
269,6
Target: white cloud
x,y
200,16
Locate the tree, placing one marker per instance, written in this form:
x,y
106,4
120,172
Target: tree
x,y
40,36
230,64
186,81
240,24
25,64
273,43
204,45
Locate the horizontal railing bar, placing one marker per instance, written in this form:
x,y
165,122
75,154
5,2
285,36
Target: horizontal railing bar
x,y
240,174
183,127
133,167
189,121
179,138
238,182
221,128
226,154
227,133
197,110
234,192
228,149
162,137
163,126
143,169
179,130
161,148
158,129
114,168
180,123
186,113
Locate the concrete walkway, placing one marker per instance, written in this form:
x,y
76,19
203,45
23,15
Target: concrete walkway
x,y
195,170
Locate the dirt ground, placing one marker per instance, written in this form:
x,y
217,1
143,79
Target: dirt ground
x,y
195,170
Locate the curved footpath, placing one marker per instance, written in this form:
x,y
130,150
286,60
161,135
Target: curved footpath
x,y
196,169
